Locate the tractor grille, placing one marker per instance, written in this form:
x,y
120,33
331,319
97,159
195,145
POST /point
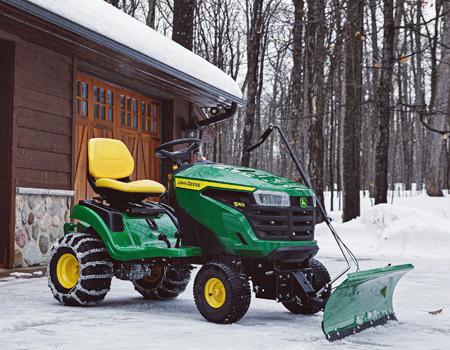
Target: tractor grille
x,y
272,223
275,223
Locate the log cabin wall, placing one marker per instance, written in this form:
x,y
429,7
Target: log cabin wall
x,y
43,150
44,118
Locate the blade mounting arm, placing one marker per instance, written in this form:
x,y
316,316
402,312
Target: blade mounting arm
x,y
349,257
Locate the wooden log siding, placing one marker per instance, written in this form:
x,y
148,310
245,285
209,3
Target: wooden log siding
x,y
107,110
44,118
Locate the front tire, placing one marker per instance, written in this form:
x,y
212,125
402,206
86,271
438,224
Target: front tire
x,y
79,270
221,293
320,278
164,283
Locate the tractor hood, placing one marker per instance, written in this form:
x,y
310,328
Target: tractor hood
x,y
200,175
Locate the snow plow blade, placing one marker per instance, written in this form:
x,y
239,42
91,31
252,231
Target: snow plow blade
x,y
362,301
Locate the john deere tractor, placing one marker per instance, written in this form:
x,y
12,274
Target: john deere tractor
x,y
246,228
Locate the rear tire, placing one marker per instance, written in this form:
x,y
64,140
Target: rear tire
x,y
164,283
221,293
320,278
79,270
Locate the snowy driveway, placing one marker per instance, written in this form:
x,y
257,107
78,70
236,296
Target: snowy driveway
x,y
31,319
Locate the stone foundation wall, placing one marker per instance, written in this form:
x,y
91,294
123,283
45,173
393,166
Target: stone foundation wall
x,y
40,217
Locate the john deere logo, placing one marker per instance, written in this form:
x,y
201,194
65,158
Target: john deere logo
x,y
303,202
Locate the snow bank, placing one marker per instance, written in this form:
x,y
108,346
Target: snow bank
x,y
391,230
105,19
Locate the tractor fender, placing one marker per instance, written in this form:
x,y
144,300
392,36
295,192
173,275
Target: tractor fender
x,y
90,219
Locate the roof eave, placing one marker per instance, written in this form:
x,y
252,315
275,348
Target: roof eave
x,y
102,40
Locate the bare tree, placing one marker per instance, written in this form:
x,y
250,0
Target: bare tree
x,y
150,18
254,16
297,68
361,87
217,38
183,22
434,180
383,104
353,108
316,55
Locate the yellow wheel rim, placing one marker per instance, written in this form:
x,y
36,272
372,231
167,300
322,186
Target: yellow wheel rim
x,y
215,293
155,274
68,270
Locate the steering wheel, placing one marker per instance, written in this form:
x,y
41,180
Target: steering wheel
x,y
182,155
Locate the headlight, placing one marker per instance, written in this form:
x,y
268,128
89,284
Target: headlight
x,y
272,198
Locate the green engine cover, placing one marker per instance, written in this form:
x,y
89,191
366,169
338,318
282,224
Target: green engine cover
x,y
224,220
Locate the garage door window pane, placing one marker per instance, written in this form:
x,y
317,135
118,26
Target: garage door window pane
x,y
155,119
96,111
82,98
84,90
84,108
102,96
110,114
110,98
102,112
135,114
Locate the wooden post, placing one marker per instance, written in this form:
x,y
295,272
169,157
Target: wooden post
x,y
167,134
7,183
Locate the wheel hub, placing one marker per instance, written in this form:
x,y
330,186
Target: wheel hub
x,y
155,275
68,271
215,293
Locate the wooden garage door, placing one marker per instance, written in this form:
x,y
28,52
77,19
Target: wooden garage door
x,y
104,110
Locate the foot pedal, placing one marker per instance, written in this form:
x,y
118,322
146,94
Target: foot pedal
x,y
152,224
163,237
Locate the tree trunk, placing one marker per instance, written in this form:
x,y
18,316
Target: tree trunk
x,y
183,22
353,110
259,90
316,57
115,3
383,102
372,123
151,14
297,57
419,99
254,36
434,181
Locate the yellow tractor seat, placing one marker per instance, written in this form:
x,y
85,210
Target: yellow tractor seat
x,y
141,186
110,167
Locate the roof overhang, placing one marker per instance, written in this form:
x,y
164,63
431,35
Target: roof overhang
x,y
122,49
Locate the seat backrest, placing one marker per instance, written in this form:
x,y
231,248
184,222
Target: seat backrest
x,y
109,158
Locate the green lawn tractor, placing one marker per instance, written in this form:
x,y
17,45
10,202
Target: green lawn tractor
x,y
248,229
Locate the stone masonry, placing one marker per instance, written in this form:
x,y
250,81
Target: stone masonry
x,y
40,217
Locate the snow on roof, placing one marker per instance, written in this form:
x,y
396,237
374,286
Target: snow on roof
x,y
104,19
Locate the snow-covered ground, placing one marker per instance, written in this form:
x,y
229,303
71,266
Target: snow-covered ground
x,y
414,229
414,226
